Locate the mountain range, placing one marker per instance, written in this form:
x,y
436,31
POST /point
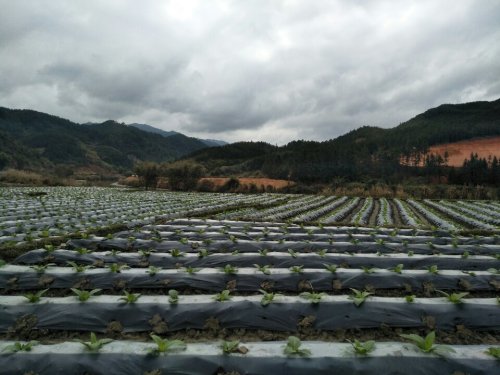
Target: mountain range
x,y
35,140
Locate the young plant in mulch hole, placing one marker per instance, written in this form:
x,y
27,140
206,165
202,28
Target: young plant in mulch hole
x,y
453,297
267,297
152,270
293,348
297,269
117,268
191,270
322,253
263,252
146,253
173,296
229,269
20,347
230,347
176,253
293,253
265,269
433,269
78,267
494,352
35,297
184,241
83,250
41,268
410,298
368,270
225,295
203,253
164,345
94,345
362,348
84,295
49,248
397,269
313,297
330,267
426,344
130,297
359,296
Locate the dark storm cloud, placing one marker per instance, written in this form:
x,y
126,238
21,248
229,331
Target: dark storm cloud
x,y
270,70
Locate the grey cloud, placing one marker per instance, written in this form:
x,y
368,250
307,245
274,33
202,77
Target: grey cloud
x,y
274,71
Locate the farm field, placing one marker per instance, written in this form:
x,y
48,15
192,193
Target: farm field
x,y
201,283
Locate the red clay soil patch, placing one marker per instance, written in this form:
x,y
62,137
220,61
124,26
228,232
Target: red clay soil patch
x,y
277,184
459,151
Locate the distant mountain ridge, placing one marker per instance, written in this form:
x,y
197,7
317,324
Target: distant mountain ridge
x,y
165,133
362,154
36,140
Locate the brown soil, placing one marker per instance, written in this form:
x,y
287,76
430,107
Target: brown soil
x,y
459,151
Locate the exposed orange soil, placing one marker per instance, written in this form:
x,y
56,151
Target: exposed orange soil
x,y
459,151
277,184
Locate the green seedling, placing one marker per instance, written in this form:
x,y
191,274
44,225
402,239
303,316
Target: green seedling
x,y
359,296
146,253
229,269
426,344
117,268
330,267
313,297
2,263
380,241
152,270
494,352
265,269
297,269
191,270
229,347
410,298
293,347
94,345
233,239
203,253
410,253
355,241
293,253
49,248
78,267
322,253
267,297
235,252
470,273
431,245
362,348
494,271
223,296
453,297
184,241
263,252
35,297
176,253
465,255
83,250
405,243
397,269
368,269
41,268
173,296
433,269
115,252
84,295
20,347
130,297
165,345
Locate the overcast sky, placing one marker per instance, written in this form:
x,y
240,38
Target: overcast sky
x,y
248,70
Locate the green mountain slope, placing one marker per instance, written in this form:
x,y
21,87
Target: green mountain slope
x,y
364,153
54,140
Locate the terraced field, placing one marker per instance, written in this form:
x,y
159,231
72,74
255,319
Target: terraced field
x,y
118,282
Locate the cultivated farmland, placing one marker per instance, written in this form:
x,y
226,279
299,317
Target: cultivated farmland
x,y
190,283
